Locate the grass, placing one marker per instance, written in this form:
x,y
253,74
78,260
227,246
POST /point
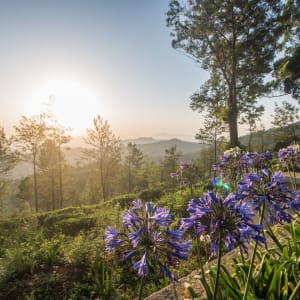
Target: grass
x,y
61,254
49,253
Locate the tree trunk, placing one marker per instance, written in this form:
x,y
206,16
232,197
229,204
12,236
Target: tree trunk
x,y
52,190
60,177
232,119
35,184
129,180
232,99
250,141
103,182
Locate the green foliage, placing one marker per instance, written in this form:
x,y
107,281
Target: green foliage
x,y
285,131
177,202
151,194
30,135
61,254
8,157
124,200
103,281
276,275
72,225
54,285
36,258
169,164
224,36
105,151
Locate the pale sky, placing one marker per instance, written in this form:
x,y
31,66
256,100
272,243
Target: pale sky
x,y
107,57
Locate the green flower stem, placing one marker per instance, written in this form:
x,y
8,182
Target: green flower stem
x,y
204,282
198,250
274,238
250,272
141,288
175,291
292,178
266,244
218,265
262,212
242,254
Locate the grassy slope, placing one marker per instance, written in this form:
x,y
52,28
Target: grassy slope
x,y
51,251
61,254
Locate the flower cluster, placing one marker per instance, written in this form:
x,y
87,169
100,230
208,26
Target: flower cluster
x,y
256,161
211,215
234,162
147,237
179,174
229,162
269,190
290,156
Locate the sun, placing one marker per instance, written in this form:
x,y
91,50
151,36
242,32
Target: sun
x,y
72,103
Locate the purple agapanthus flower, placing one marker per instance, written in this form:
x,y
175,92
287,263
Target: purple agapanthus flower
x,y
256,161
272,191
290,156
142,266
210,215
234,163
147,237
180,175
295,202
229,161
113,238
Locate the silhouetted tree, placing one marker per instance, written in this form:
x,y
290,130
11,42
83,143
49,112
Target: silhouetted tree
x,y
284,119
211,133
251,116
25,192
48,165
8,156
170,163
60,137
30,135
105,151
133,161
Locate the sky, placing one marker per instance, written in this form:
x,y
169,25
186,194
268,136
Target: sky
x,y
81,58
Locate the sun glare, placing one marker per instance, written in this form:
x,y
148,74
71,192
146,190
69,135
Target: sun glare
x,y
72,103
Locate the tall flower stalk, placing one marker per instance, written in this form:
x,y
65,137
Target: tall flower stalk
x,y
249,276
290,159
148,241
270,195
227,221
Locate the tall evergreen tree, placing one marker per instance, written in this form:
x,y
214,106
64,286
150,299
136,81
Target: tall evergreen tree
x,y
30,135
251,116
170,164
284,119
234,40
211,133
8,157
60,137
48,165
105,151
133,161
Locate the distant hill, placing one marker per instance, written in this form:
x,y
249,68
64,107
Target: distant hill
x,y
267,137
140,141
152,148
156,150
